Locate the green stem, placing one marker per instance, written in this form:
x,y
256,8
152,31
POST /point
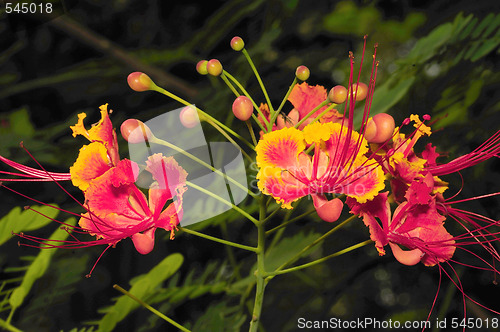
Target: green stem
x,y
315,242
261,272
252,134
220,199
271,215
215,239
205,115
284,100
156,140
8,327
150,308
321,260
290,221
230,139
245,92
314,110
229,251
224,78
250,62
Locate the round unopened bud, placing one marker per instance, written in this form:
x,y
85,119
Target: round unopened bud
x,y
135,131
370,130
201,67
189,117
139,81
242,108
302,73
362,90
337,94
237,43
214,67
384,128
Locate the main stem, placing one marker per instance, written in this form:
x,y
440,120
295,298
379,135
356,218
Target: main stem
x,y
260,273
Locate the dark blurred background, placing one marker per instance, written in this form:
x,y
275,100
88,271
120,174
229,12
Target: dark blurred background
x,y
54,67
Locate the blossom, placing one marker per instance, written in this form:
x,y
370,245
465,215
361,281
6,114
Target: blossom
x,y
338,165
115,208
415,224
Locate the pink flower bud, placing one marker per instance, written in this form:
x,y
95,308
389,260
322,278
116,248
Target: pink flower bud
x,y
362,91
139,81
237,43
384,128
201,67
214,67
302,73
189,117
337,94
135,131
242,108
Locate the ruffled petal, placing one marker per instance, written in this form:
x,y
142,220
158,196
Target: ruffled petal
x,y
305,98
91,163
369,211
280,148
344,144
439,245
101,132
170,217
362,180
283,187
170,181
112,192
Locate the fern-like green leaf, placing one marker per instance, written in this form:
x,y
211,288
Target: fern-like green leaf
x,y
143,286
22,221
38,267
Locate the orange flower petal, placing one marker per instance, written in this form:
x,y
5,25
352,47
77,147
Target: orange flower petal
x,y
305,98
91,163
280,148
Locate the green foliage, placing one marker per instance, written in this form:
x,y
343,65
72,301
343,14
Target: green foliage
x,y
221,317
452,62
347,18
16,126
17,221
143,286
37,268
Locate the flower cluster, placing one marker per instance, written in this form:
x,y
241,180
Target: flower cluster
x,y
115,207
324,146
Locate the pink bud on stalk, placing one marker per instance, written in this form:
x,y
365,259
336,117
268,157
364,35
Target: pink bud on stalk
x,y
302,73
201,67
237,43
242,108
139,81
189,117
214,67
380,128
362,91
338,94
135,131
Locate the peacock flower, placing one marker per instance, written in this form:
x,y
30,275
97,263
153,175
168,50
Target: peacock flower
x,y
338,165
416,225
117,209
